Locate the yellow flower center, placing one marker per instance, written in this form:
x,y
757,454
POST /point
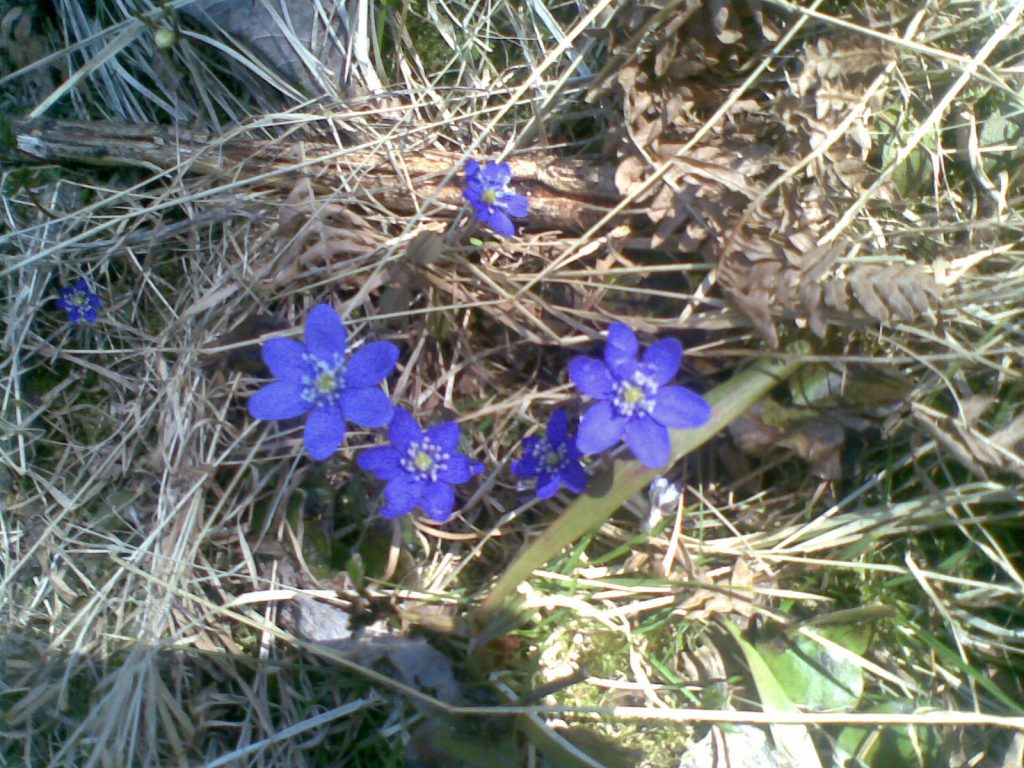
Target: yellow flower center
x,y
423,461
632,394
552,459
326,382
490,196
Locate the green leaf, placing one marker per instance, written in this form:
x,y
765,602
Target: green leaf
x,y
901,746
792,740
817,676
1002,127
913,176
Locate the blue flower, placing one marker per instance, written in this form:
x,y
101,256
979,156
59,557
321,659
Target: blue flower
x,y
635,399
493,202
553,459
80,302
316,378
419,467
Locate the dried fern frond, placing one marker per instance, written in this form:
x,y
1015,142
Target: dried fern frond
x,y
755,196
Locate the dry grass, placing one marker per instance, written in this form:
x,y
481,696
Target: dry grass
x,y
154,537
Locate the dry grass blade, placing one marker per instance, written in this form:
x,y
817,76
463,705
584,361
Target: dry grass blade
x,y
177,580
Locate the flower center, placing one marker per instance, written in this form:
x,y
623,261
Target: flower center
x,y
79,300
425,460
490,196
327,382
552,459
632,394
635,394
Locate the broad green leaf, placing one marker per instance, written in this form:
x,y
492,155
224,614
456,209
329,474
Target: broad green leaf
x,y
818,677
913,176
1003,127
793,740
888,747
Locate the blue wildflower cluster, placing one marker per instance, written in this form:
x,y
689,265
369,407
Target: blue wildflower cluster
x,y
315,378
636,401
635,398
321,380
493,202
318,379
80,302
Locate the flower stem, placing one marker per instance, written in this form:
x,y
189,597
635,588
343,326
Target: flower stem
x,y
612,488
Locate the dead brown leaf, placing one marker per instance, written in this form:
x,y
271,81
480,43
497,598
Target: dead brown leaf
x,y
1002,451
815,438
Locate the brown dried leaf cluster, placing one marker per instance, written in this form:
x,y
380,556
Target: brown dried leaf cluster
x,y
755,195
320,233
966,441
814,437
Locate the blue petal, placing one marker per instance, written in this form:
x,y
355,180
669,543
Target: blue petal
x,y
497,174
558,428
591,377
445,436
575,478
548,485
82,285
680,408
325,334
403,429
600,429
278,400
371,364
620,351
474,193
574,452
382,461
402,495
459,470
438,501
498,221
90,315
528,466
516,205
325,429
367,407
472,169
662,359
286,359
648,440
529,444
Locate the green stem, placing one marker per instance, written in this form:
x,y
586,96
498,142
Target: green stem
x,y
611,489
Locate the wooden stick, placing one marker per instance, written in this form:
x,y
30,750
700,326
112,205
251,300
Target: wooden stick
x,y
568,194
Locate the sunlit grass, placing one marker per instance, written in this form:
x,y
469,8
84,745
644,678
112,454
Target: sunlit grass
x,y
154,537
